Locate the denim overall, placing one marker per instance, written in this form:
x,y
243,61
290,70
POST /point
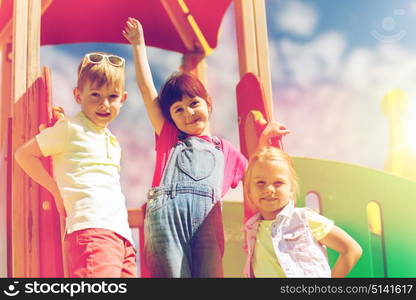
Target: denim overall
x,y
183,227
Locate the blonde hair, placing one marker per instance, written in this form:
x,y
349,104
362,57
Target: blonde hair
x,y
100,74
269,153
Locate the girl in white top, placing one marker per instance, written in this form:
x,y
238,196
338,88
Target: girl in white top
x,y
282,240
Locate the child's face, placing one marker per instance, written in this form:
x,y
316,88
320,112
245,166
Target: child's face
x,y
270,187
100,104
191,115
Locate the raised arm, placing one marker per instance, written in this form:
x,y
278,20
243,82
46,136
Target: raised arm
x,y
133,32
349,251
28,156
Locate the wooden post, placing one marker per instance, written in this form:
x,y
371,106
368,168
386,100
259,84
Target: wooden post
x,y
254,93
198,48
194,63
5,103
262,46
19,215
186,26
51,226
252,45
5,151
246,40
25,200
5,186
33,80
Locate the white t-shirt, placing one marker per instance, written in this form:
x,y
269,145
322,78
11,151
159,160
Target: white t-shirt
x,y
86,166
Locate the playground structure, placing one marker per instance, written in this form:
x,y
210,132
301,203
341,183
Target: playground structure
x,y
374,207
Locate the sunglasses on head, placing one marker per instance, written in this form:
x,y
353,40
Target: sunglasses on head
x,y
96,58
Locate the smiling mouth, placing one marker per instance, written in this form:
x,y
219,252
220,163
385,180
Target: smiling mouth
x,y
103,115
193,122
269,199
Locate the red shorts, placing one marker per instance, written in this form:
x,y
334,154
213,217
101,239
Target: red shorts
x,y
98,253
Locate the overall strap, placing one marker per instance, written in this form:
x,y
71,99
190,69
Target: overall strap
x,y
217,142
182,136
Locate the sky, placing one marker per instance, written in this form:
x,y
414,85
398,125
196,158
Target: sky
x,y
331,62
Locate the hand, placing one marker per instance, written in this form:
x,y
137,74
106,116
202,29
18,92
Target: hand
x,y
190,60
42,127
133,32
272,130
136,217
57,113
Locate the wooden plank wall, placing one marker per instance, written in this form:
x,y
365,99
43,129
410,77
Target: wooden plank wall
x,y
5,187
25,94
50,225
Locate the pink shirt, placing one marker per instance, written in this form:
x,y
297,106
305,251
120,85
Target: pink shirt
x,y
234,162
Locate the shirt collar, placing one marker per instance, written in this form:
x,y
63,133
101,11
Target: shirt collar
x,y
284,213
91,125
253,220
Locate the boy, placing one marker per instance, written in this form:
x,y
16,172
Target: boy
x,y
86,160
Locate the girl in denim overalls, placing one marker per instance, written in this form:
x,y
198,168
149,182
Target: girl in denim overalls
x,y
282,240
183,224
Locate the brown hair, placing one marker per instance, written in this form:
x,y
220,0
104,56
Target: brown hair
x,y
179,85
100,73
269,153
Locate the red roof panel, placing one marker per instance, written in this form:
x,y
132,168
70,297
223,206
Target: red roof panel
x,y
78,21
